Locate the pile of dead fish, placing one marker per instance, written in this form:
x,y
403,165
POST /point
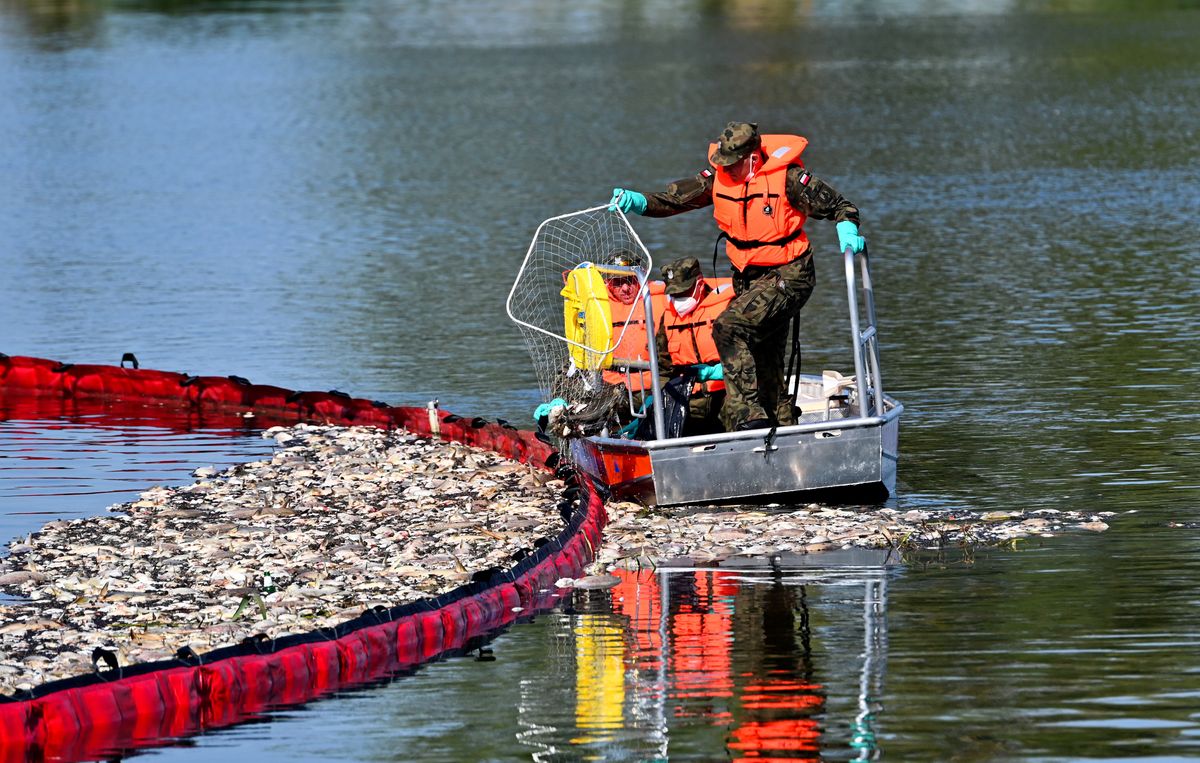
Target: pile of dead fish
x,y
339,520
637,538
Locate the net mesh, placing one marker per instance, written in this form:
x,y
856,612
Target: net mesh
x,y
536,302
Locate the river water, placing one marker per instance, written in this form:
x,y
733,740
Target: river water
x,y
337,194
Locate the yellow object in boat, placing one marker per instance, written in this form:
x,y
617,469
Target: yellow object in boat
x,y
587,317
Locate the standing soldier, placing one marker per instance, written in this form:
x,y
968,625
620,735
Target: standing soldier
x,y
761,195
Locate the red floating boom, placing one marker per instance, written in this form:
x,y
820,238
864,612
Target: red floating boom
x,y
95,716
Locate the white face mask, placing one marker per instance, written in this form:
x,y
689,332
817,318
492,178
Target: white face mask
x,y
753,165
683,306
745,170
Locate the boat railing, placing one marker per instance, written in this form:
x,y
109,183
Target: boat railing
x,y
634,366
868,381
652,354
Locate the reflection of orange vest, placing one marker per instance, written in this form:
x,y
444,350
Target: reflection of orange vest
x,y
701,647
780,739
633,344
690,339
637,597
764,228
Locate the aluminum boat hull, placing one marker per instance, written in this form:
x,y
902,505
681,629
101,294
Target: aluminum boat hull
x,y
851,455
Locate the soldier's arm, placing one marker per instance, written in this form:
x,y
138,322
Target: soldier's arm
x,y
816,198
684,195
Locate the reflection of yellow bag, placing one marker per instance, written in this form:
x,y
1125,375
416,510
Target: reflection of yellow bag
x,y
587,318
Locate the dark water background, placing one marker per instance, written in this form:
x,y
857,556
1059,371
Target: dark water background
x,y
337,194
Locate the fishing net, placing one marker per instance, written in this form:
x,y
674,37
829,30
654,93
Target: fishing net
x,y
559,303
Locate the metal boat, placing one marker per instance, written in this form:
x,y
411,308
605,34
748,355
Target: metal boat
x,y
846,439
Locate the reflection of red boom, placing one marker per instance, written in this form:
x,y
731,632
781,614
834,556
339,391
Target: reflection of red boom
x,y
102,412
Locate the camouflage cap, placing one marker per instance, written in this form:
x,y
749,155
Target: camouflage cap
x,y
681,276
734,143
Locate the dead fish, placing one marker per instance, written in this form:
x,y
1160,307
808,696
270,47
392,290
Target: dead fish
x,y
450,574
597,582
30,627
182,513
21,576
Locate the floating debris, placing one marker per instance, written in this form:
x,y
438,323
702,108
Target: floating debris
x,y
339,520
637,538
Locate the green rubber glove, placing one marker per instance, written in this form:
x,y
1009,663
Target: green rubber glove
x,y
627,201
710,372
848,237
545,408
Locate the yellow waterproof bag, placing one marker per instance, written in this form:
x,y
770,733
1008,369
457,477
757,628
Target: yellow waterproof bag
x,y
587,318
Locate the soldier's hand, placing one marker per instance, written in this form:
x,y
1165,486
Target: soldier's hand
x,y
710,372
848,237
627,201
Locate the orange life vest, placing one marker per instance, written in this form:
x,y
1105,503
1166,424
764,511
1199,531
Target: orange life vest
x,y
633,344
690,338
762,226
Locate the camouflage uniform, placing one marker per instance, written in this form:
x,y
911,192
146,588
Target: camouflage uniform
x,y
751,334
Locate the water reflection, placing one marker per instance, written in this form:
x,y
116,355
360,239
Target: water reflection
x,y
55,23
66,459
689,663
495,21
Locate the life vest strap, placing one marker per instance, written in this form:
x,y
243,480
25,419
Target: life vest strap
x,y
743,244
708,387
692,325
748,198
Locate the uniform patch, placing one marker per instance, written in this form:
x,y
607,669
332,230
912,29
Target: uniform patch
x,y
804,178
706,173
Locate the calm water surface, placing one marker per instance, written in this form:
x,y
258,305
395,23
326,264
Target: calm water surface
x,y
71,466
337,194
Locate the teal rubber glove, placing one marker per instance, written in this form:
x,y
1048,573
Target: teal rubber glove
x,y
848,237
545,408
629,429
710,373
627,201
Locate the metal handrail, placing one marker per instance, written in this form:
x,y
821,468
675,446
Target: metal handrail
x,y
867,377
757,434
652,349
